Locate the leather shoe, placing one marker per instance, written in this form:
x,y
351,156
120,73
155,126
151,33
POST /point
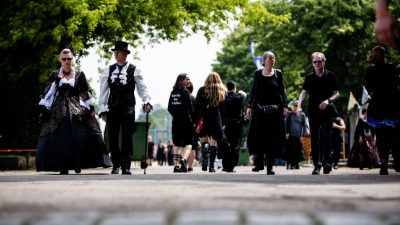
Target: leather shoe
x,y
316,170
327,169
126,172
115,170
270,172
63,172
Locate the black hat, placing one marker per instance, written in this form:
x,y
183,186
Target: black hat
x,y
121,46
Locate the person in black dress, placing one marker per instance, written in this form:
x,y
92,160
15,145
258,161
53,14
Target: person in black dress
x,y
383,85
181,109
267,107
322,88
70,137
210,106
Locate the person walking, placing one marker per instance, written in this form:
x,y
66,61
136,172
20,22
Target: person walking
x,y
267,107
70,137
210,106
234,120
322,88
296,129
117,105
382,83
181,109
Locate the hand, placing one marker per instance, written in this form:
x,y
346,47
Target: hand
x,y
249,113
147,107
298,111
242,93
285,111
103,116
323,104
385,27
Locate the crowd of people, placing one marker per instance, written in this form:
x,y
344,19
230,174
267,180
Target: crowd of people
x,y
211,123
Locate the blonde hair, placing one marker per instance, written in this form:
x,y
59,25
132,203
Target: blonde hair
x,y
214,89
320,54
66,51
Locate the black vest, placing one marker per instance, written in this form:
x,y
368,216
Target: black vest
x,y
122,95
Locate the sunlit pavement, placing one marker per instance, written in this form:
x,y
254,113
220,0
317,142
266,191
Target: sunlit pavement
x,y
95,197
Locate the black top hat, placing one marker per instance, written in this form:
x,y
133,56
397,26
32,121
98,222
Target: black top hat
x,y
121,46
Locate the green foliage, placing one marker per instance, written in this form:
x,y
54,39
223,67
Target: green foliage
x,y
33,32
343,30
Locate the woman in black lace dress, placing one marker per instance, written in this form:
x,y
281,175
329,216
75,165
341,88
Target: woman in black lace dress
x,y
70,137
267,104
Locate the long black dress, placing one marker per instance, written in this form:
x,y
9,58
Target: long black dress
x,y
71,137
267,99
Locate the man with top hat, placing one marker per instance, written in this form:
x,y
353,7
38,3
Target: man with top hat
x,y
117,105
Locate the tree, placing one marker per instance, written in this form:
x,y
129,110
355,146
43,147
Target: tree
x,y
32,33
343,30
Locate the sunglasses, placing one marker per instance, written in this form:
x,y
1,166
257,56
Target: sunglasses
x,y
315,62
66,59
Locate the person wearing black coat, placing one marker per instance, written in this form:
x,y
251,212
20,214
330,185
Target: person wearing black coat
x,y
181,109
267,107
210,106
234,120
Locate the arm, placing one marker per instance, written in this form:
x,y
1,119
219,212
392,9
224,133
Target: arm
x,y
341,126
301,99
141,87
335,95
385,24
251,96
104,91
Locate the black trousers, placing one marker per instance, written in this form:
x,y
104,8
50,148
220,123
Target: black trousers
x,y
387,141
121,124
233,132
320,142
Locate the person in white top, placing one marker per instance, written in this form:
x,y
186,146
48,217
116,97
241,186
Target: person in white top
x,y
117,105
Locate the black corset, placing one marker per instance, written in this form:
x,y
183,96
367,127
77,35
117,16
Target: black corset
x,y
67,90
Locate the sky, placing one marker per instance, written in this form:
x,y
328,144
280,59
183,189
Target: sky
x,y
161,64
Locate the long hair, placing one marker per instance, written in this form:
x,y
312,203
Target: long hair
x,y
214,89
179,81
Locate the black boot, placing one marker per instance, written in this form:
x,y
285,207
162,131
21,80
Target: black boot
x,y
213,154
270,164
183,165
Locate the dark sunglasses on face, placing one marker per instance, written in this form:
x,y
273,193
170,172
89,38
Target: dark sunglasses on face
x,y
66,59
315,62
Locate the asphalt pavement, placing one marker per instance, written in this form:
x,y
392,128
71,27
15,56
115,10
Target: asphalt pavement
x,y
95,197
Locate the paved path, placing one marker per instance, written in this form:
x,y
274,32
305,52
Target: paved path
x,y
95,197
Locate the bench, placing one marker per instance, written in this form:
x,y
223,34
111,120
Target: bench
x,y
25,152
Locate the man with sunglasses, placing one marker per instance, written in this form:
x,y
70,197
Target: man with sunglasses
x,y
117,105
322,88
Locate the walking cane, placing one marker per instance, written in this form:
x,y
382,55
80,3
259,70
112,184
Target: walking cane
x,y
143,163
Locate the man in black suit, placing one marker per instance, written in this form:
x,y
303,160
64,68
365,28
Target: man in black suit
x,y
233,125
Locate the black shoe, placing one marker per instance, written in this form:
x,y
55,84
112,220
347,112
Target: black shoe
x,y
384,171
297,167
183,165
204,167
257,169
396,167
126,172
316,170
78,170
327,169
177,169
230,171
190,169
335,167
270,172
63,172
115,170
211,170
